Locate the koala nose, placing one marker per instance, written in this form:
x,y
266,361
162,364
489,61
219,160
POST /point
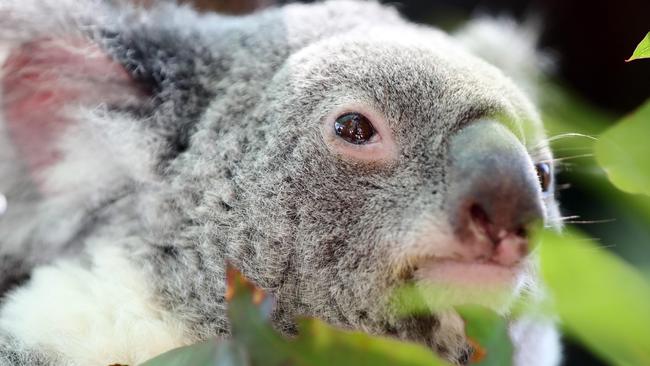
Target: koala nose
x,y
494,192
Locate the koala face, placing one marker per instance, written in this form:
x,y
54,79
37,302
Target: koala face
x,y
398,158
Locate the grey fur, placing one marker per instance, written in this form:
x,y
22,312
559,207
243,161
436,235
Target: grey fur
x,y
231,164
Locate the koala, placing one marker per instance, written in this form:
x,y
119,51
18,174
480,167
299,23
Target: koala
x,y
333,152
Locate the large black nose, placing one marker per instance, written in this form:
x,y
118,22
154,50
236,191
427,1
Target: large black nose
x,y
492,182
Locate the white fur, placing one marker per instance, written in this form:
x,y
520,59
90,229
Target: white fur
x,y
116,143
100,315
3,204
538,342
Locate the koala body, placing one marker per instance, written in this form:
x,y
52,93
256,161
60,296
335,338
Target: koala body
x,y
332,152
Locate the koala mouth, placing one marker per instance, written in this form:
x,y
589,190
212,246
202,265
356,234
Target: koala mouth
x,y
468,272
486,256
444,283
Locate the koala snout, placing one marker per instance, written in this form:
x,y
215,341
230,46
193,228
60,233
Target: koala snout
x,y
495,193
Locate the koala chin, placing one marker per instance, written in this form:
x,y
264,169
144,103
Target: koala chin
x,y
333,152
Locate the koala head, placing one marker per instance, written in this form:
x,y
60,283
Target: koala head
x,y
335,153
383,154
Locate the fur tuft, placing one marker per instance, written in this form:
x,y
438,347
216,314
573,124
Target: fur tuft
x,y
510,46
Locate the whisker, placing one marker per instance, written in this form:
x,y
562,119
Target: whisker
x,y
568,167
572,149
561,187
547,141
555,160
570,134
597,247
583,222
564,218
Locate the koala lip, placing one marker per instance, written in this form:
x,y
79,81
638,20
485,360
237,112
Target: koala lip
x,y
467,272
480,260
445,283
470,273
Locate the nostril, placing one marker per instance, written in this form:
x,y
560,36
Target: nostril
x,y
478,215
509,246
521,232
495,189
481,219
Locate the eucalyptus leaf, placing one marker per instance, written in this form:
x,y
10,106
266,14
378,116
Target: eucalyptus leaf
x,y
623,151
488,333
642,49
210,353
254,342
317,344
601,300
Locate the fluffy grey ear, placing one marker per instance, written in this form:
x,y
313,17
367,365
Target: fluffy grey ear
x,y
98,89
43,78
510,46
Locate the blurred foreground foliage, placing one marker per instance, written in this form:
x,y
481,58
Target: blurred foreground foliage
x,y
254,341
624,152
600,300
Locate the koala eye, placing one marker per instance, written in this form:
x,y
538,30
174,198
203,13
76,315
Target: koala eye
x,y
544,175
354,128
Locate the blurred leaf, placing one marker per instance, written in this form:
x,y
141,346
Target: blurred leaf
x,y
249,325
624,152
425,298
317,343
601,300
486,330
210,353
328,346
254,342
565,112
642,49
488,333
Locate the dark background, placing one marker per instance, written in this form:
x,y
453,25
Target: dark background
x,y
590,41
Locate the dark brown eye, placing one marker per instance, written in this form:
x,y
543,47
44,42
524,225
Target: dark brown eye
x,y
544,175
354,128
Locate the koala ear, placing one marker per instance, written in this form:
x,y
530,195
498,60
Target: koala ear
x,y
42,82
92,90
510,46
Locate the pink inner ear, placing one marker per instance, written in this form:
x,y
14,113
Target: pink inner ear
x,y
41,78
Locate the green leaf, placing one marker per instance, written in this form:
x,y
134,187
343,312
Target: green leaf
x,y
601,300
485,329
623,152
642,49
254,342
317,343
565,112
210,353
488,333
325,345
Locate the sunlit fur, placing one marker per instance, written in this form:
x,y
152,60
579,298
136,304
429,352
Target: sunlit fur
x,y
126,240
